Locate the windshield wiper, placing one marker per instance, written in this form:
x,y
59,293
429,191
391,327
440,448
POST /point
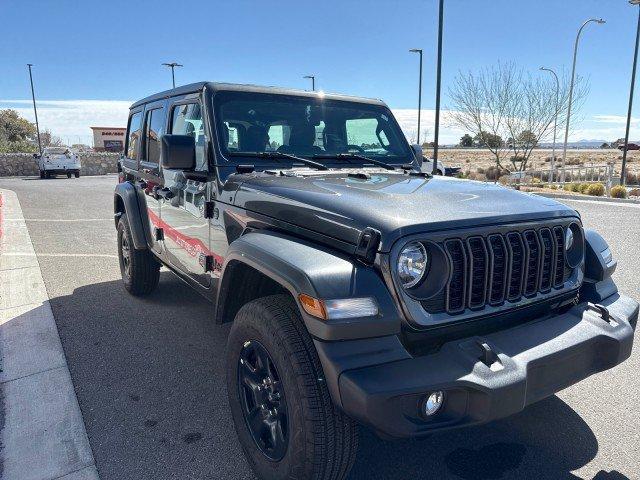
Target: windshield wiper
x,y
280,155
360,157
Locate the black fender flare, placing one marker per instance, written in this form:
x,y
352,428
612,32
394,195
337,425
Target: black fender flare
x,y
599,266
305,268
137,217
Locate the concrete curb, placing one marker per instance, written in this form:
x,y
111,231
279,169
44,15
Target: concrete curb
x,y
587,198
43,436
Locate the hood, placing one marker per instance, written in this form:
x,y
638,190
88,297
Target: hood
x,y
336,204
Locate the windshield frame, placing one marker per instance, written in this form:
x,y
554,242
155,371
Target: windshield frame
x,y
237,158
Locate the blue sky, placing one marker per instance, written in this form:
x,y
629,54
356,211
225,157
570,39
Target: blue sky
x,y
93,58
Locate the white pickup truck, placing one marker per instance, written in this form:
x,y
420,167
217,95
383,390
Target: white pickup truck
x,y
58,160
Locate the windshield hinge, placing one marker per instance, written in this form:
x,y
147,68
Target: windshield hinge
x,y
368,243
210,211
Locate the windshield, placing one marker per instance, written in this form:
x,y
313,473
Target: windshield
x,y
56,150
307,127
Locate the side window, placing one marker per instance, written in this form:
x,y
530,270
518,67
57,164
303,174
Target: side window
x,y
187,120
362,133
134,133
153,132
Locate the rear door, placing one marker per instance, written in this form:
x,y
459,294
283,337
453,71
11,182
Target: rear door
x,y
186,230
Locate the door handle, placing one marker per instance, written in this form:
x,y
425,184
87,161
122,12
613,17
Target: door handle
x,y
165,193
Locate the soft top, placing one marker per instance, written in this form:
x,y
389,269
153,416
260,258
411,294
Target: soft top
x,y
234,87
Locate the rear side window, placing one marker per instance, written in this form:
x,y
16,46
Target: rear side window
x,y
153,132
134,134
187,120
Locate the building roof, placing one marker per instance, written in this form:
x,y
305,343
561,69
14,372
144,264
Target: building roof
x,y
234,87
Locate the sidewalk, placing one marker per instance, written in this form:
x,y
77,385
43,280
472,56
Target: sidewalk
x,y
43,435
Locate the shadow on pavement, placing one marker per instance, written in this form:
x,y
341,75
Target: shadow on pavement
x,y
150,378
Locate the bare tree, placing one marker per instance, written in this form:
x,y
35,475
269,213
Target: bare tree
x,y
511,112
50,140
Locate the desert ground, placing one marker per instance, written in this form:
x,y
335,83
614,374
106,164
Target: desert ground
x,y
470,159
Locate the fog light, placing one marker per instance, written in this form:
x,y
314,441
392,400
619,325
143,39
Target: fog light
x,y
433,403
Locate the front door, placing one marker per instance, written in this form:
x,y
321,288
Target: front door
x,y
149,168
186,231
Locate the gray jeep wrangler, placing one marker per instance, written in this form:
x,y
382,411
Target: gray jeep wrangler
x,y
361,290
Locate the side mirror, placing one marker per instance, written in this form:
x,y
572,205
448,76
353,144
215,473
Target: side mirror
x,y
178,152
35,155
417,152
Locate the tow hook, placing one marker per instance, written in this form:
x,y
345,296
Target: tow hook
x,y
603,312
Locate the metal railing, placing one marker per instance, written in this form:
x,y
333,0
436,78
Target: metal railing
x,y
561,176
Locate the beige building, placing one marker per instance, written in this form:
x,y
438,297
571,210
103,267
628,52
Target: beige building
x,y
108,139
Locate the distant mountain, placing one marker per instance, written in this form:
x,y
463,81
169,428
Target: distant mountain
x,y
578,144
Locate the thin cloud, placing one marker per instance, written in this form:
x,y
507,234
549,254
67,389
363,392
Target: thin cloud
x,y
71,119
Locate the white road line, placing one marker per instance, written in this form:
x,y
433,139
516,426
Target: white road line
x,y
79,255
61,220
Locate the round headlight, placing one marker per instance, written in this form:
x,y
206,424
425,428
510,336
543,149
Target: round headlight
x,y
412,264
568,239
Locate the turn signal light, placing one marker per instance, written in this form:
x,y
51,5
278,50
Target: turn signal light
x,y
313,306
339,309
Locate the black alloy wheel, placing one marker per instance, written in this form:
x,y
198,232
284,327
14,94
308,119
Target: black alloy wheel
x,y
262,399
126,255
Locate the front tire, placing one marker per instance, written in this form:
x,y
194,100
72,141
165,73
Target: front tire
x,y
139,268
42,174
76,174
314,439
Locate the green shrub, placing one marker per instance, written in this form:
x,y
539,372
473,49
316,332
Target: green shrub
x,y
575,187
619,192
584,187
596,189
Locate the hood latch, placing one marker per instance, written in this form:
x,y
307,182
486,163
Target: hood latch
x,y
368,243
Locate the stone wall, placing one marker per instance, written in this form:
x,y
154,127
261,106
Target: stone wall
x,y
23,164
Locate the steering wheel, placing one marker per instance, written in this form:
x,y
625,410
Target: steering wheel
x,y
355,147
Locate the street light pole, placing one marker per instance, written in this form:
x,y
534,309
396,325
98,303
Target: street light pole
x,y
35,110
438,84
419,51
555,122
173,65
313,81
623,176
599,21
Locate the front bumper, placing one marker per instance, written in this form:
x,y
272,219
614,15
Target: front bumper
x,y
534,360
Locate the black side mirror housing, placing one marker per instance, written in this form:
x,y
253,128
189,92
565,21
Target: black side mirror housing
x,y
178,152
35,155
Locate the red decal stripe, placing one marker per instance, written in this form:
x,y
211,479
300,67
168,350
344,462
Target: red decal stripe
x,y
192,246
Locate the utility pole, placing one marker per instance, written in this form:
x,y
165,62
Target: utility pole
x,y
438,86
35,110
313,81
623,176
599,21
555,122
419,51
173,65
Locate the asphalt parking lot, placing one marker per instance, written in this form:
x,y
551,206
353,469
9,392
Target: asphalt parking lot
x,y
149,374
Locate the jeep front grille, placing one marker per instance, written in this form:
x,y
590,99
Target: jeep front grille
x,y
492,269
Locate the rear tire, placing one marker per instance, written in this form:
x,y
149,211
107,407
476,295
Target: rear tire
x,y
321,441
76,174
42,174
139,268
69,175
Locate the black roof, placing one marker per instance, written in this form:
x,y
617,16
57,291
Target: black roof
x,y
233,87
